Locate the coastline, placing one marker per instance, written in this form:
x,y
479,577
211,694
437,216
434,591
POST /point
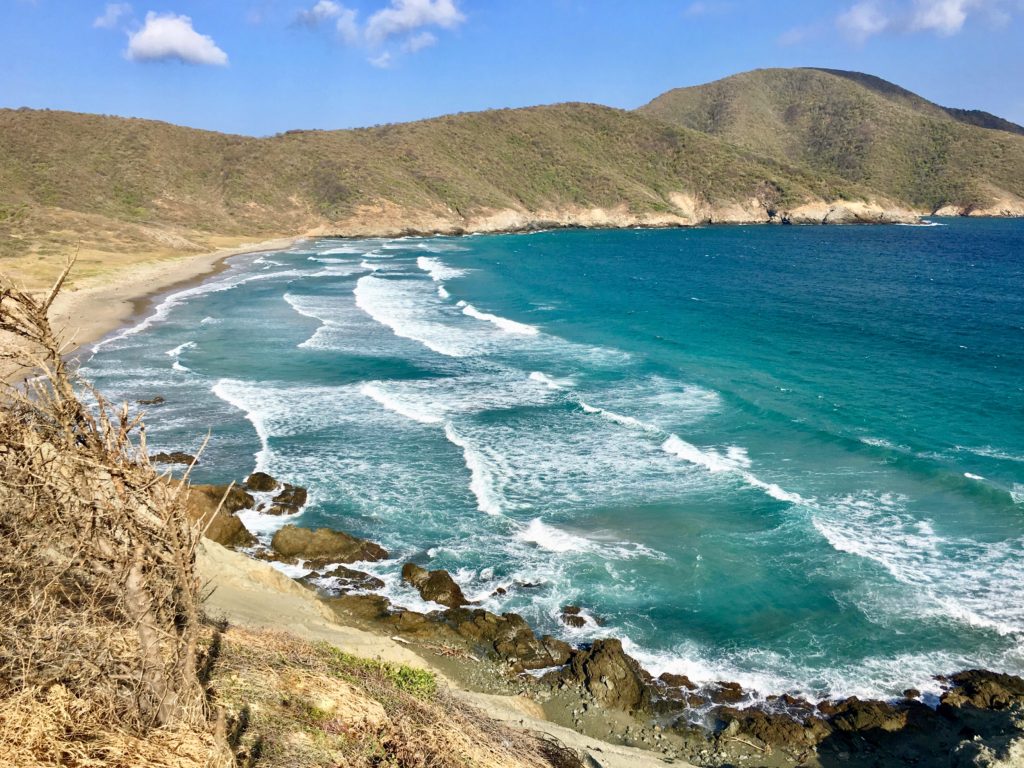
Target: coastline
x,y
189,271
100,305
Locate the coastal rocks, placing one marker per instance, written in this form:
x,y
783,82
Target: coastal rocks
x,y
848,212
436,586
289,501
213,508
982,689
677,681
158,400
323,546
508,637
347,580
771,729
571,617
174,457
854,715
261,482
614,679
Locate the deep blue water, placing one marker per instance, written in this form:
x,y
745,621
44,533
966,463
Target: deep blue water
x,y
788,456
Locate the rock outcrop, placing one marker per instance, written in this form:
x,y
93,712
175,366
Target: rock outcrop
x,y
214,508
614,679
436,586
174,457
323,546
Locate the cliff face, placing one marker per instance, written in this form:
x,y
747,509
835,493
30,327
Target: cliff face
x,y
863,130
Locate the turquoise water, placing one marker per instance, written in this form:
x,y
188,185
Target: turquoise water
x,y
787,456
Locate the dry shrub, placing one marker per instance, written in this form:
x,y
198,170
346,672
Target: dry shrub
x,y
100,619
272,685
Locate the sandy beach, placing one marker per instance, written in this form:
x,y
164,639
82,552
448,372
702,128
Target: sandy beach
x,y
96,306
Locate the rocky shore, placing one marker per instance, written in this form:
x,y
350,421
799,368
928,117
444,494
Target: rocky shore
x,y
599,690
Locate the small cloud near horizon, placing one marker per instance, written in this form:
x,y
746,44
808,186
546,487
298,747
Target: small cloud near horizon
x,y
170,37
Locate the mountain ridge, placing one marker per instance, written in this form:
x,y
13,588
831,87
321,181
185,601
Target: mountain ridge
x,y
114,185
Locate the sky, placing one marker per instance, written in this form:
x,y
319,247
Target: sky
x,y
259,67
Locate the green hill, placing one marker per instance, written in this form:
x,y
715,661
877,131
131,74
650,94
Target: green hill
x,y
863,129
122,185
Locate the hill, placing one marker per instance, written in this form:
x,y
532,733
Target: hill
x,y
135,186
862,129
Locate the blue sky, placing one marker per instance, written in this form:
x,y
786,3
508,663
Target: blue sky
x,y
263,66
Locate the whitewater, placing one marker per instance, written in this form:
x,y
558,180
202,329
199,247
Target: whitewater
x,y
790,457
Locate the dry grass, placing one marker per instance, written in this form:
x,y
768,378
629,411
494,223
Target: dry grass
x,y
295,703
100,624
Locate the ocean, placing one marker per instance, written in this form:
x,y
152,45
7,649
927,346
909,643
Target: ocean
x,y
791,457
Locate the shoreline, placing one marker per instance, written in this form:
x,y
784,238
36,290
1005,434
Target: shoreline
x,y
194,270
107,303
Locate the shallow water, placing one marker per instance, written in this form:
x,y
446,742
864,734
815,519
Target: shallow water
x,y
787,456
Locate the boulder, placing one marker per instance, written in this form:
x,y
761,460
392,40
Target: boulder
x,y
261,482
726,693
508,637
158,400
436,586
774,729
614,679
982,689
174,457
220,525
571,617
349,580
852,714
323,546
677,681
289,501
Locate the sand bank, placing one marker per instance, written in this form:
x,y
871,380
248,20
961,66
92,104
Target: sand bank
x,y
254,594
98,305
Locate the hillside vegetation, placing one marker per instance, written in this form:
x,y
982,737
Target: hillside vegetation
x,y
122,184
804,145
862,129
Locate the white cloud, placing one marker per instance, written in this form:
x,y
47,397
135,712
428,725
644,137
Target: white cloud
x,y
863,20
171,37
419,42
403,16
946,17
943,17
384,61
324,10
347,26
112,15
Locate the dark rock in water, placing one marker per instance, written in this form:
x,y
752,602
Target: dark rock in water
x,y
349,579
726,693
216,520
437,586
289,501
571,616
982,689
158,400
323,546
614,679
174,457
677,681
261,482
499,591
912,693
